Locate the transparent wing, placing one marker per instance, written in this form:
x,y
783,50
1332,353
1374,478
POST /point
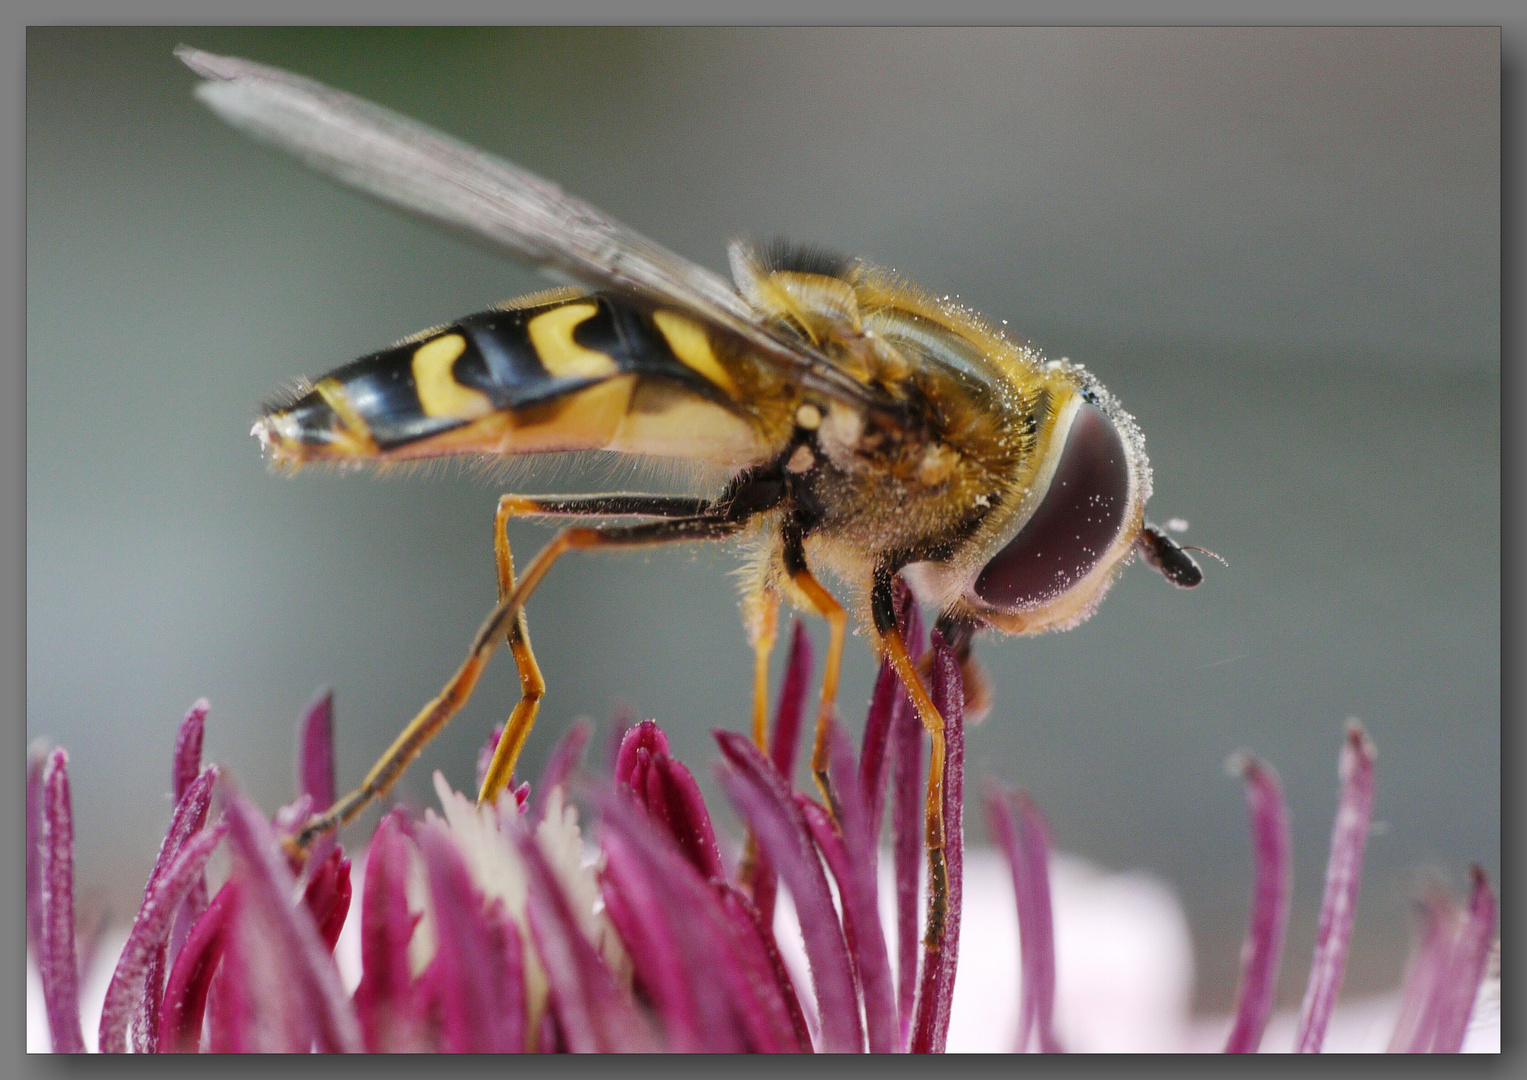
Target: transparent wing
x,y
443,179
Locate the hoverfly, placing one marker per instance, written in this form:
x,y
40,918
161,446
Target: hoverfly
x,y
868,428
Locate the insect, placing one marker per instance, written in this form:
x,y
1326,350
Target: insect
x,y
868,428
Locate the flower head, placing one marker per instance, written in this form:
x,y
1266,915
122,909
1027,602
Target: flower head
x,y
531,925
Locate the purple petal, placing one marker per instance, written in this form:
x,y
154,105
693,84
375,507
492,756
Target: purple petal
x,y
674,947
906,749
1020,830
688,957
762,798
930,1027
672,791
282,938
907,839
1344,872
188,818
759,952
879,724
385,1000
853,867
185,769
592,1013
327,895
185,993
695,944
761,880
1466,971
646,736
1439,918
143,1027
560,766
56,960
37,757
315,750
151,929
1261,955
485,753
478,971
791,708
188,741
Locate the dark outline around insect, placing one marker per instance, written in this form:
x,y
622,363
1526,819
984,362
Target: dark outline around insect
x,y
868,428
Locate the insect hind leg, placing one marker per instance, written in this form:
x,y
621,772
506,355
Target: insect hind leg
x,y
500,625
532,684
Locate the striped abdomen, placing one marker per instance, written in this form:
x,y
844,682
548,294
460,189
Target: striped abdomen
x,y
558,372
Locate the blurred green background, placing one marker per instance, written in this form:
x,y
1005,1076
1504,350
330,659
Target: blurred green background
x,y
1279,247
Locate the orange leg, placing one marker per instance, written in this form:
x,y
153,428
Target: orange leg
x,y
883,610
504,623
763,628
826,606
532,685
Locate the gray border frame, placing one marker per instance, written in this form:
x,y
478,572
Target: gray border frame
x,y
1185,12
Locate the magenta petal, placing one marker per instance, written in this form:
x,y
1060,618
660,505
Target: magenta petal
x,y
56,960
907,853
185,992
791,708
593,1014
478,972
1344,873
188,740
280,936
145,942
685,815
761,955
694,943
906,751
1019,829
1439,920
880,722
675,947
930,1026
37,757
850,856
385,999
327,895
1261,955
315,750
782,750
561,765
646,736
1459,987
762,798
485,753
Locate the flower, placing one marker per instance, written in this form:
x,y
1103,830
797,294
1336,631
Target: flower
x,y
503,928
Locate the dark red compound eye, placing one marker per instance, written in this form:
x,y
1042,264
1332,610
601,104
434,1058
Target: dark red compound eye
x,y
1074,525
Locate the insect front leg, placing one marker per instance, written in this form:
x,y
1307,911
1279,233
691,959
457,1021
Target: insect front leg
x,y
825,605
894,648
497,627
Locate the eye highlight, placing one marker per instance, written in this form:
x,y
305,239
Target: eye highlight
x,y
1074,525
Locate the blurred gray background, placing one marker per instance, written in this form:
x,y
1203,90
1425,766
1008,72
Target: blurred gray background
x,y
1279,247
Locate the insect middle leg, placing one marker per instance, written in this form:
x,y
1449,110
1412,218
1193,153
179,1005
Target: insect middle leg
x,y
532,685
434,716
825,605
